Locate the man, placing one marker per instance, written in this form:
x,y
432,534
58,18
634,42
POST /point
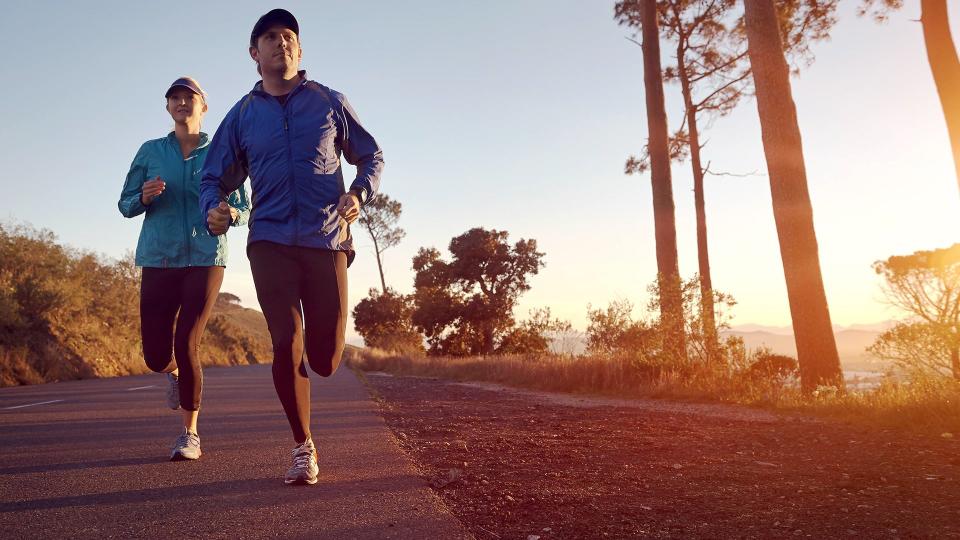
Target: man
x,y
288,135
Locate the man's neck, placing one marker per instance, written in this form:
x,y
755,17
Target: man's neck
x,y
279,84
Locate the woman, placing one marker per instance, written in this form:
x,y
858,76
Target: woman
x,y
182,263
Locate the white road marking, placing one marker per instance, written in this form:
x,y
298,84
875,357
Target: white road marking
x,y
33,404
140,387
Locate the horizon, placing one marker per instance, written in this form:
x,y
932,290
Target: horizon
x,y
479,106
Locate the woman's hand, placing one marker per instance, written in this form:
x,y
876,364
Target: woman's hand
x,y
151,190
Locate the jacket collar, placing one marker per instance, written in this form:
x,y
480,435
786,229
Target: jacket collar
x,y
258,88
204,140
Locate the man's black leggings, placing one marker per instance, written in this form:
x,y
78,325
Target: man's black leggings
x,y
303,295
184,296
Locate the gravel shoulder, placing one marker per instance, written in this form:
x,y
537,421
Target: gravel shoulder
x,y
516,464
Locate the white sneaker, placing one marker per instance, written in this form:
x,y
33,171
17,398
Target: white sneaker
x,y
173,391
305,469
187,447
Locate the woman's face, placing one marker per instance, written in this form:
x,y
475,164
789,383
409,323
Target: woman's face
x,y
185,107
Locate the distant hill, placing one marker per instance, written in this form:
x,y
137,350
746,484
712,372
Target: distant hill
x,y
235,335
851,346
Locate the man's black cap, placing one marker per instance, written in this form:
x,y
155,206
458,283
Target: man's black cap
x,y
274,16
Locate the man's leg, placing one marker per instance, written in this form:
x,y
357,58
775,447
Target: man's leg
x,y
324,285
276,276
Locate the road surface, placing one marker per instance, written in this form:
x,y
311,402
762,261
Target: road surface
x,y
89,459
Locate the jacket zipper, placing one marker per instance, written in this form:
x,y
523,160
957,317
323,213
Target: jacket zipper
x,y
183,201
293,180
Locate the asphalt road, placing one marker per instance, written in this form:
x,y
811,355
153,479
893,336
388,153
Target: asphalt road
x,y
89,459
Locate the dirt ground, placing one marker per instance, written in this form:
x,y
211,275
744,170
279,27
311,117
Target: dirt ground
x,y
529,465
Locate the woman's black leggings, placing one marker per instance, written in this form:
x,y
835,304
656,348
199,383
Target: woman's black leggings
x,y
303,295
184,296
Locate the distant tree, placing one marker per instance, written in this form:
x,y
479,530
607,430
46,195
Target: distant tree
x,y
665,229
614,331
700,343
534,335
793,213
918,348
465,306
771,367
942,57
384,320
379,217
926,285
228,299
714,74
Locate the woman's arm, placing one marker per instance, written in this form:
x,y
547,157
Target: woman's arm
x,y
130,204
239,206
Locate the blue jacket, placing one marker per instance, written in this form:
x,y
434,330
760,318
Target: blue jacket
x,y
172,235
291,152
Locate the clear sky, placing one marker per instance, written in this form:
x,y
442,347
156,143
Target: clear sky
x,y
509,115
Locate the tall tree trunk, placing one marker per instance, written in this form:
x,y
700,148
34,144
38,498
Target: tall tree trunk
x,y
376,249
945,66
703,254
487,340
955,362
816,346
668,273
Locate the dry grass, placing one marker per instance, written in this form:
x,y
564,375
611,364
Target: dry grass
x,y
925,404
579,375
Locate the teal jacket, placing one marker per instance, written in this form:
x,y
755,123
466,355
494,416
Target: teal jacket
x,y
174,234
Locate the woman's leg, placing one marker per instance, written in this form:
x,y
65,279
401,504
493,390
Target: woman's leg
x,y
277,276
197,297
159,303
324,285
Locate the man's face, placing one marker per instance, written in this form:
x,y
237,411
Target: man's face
x,y
277,50
183,105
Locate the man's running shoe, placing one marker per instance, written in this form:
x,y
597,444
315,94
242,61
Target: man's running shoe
x,y
186,447
305,469
173,391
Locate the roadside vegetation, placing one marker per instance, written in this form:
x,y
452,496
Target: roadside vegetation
x,y
69,314
455,326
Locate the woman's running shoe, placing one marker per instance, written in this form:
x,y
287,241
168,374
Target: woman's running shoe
x,y
173,391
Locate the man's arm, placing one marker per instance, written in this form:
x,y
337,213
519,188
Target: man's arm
x,y
360,149
225,168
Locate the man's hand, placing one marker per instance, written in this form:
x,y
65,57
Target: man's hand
x,y
151,190
219,218
349,207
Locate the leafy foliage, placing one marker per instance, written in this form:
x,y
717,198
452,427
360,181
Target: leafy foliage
x,y
384,320
711,54
379,217
67,314
614,330
465,305
925,285
533,335
878,9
